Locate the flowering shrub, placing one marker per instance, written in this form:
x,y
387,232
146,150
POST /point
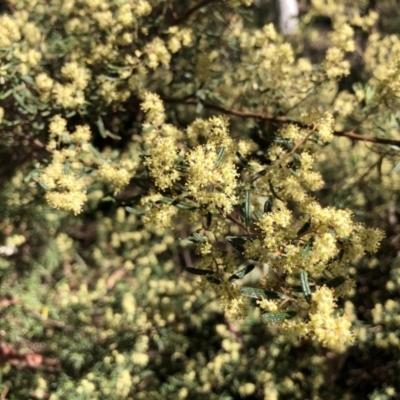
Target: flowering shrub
x,y
148,141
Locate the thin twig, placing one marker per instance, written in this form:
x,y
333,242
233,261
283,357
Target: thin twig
x,y
282,120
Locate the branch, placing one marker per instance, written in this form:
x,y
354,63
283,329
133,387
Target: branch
x,y
33,361
282,120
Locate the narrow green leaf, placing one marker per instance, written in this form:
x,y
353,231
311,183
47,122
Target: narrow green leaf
x,y
305,285
209,220
199,107
213,279
238,241
256,293
271,188
258,175
113,135
185,206
278,316
5,94
178,203
28,79
268,205
43,185
66,168
199,238
335,282
241,273
134,211
258,214
220,156
307,248
108,198
198,271
247,206
396,169
304,228
20,100
148,129
298,288
182,169
100,126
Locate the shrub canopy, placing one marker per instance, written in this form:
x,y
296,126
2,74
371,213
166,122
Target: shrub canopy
x,y
193,204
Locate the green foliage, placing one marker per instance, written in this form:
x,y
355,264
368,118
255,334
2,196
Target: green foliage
x,y
142,139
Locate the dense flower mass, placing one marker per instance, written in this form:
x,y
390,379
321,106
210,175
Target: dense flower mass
x,y
143,140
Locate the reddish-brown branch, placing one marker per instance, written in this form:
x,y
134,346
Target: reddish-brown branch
x,y
282,120
31,360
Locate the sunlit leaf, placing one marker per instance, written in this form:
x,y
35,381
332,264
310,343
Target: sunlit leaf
x,y
241,273
278,316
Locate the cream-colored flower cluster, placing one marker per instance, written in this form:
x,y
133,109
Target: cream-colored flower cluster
x,y
62,178
333,332
117,176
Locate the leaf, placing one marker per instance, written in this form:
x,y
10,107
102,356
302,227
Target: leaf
x,y
304,228
247,206
209,220
220,156
298,288
148,128
199,107
305,285
100,126
131,210
238,241
335,282
108,198
113,135
178,203
32,109
259,293
198,237
241,273
396,169
258,214
5,94
43,185
307,248
213,279
258,175
198,271
268,205
28,79
278,316
271,188
182,169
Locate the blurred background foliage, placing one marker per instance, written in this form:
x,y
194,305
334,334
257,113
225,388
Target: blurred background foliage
x,y
98,306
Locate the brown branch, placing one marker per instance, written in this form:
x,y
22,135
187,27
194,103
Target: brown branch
x,y
192,10
282,120
4,393
33,361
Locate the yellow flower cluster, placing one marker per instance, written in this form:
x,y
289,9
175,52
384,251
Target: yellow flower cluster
x,y
62,178
325,128
335,64
333,332
210,184
10,31
160,216
179,38
154,109
157,53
